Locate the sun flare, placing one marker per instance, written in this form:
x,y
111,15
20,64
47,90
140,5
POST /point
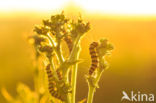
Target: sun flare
x,y
139,7
119,6
38,5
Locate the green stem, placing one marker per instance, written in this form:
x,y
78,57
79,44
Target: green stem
x,y
73,57
98,77
68,99
53,67
76,48
59,56
73,83
93,85
52,64
57,50
74,79
91,94
50,39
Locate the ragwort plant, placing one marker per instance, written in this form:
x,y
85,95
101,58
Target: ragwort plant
x,y
61,70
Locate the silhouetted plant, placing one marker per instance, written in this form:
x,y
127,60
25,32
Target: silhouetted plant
x,y
48,45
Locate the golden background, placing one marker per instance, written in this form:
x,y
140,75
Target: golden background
x,y
132,63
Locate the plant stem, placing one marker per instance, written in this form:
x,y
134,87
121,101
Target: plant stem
x,y
68,99
57,50
52,64
73,57
91,94
59,56
73,83
93,86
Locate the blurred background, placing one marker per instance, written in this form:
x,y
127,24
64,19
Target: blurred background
x,y
129,25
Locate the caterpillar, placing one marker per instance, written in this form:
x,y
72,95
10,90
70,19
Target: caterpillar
x,y
94,57
49,73
56,94
59,74
52,85
69,42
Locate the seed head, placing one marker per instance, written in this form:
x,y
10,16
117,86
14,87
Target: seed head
x,y
46,48
41,30
105,47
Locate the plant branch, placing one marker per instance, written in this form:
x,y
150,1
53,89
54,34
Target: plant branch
x,y
91,94
93,84
93,81
73,82
73,57
68,99
59,51
56,49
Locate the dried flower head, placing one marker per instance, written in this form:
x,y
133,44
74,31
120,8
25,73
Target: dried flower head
x,y
79,27
46,48
105,47
41,30
37,40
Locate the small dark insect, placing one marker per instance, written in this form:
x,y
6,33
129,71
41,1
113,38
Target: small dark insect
x,y
94,57
69,42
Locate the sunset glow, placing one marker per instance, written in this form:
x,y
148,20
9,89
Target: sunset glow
x,y
145,7
28,5
119,6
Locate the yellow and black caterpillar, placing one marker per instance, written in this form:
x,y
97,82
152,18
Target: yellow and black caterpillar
x,y
52,84
59,74
69,42
94,57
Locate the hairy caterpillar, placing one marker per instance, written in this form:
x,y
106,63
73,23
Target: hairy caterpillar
x,y
69,42
94,57
52,84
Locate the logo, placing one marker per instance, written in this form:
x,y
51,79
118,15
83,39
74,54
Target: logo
x,y
137,96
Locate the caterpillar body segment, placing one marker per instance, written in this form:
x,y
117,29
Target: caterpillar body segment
x,y
52,84
49,73
94,57
59,74
55,94
69,43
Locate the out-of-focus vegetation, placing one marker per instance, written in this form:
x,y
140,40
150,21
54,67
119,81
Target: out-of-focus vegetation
x,y
132,64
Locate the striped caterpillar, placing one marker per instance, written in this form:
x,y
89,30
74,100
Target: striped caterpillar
x,y
52,85
69,42
94,57
59,74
